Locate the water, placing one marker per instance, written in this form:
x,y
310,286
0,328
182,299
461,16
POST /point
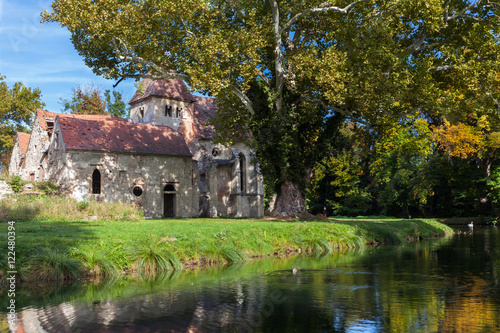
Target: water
x,y
444,285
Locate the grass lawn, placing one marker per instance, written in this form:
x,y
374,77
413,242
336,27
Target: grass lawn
x,y
110,247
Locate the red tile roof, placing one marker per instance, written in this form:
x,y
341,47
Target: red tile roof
x,y
170,88
121,136
43,115
24,139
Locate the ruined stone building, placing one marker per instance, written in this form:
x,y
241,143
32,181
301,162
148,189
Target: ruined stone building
x,y
163,158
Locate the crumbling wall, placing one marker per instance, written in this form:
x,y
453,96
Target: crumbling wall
x,y
15,164
35,153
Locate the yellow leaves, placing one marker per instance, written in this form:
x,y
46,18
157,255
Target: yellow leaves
x,y
460,140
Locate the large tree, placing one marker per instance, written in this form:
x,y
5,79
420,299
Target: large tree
x,y
292,71
17,108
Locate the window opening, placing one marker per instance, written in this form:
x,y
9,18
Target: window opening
x,y
141,112
137,191
242,173
96,182
168,111
177,112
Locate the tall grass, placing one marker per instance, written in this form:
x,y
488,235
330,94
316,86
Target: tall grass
x,y
232,254
36,207
151,256
51,266
97,261
315,245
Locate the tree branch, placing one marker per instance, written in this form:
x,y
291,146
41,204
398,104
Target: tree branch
x,y
442,68
462,13
243,98
321,9
189,32
164,73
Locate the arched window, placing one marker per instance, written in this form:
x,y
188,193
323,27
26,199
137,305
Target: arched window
x,y
169,188
96,182
243,173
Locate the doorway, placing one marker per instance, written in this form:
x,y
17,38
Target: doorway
x,y
169,201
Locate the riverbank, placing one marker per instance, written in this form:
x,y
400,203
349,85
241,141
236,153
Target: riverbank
x,y
47,251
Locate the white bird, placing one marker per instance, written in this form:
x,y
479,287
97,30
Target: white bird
x,y
294,270
471,225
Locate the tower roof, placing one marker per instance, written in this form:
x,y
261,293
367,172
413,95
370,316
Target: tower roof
x,y
169,88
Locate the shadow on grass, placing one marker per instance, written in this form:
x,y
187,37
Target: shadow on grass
x,y
42,251
395,232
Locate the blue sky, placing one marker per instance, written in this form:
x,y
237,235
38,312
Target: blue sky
x,y
42,55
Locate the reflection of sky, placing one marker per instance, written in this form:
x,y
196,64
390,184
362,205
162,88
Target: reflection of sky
x,y
365,326
42,55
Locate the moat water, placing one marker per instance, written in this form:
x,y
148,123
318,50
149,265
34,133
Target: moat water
x,y
443,285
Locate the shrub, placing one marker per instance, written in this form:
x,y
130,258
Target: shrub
x,y
16,184
82,205
49,187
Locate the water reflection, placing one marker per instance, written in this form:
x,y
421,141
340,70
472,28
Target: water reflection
x,y
445,285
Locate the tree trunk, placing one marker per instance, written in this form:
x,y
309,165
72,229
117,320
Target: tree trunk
x,y
291,201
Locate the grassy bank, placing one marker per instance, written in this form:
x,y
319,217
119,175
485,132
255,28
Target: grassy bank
x,y
49,251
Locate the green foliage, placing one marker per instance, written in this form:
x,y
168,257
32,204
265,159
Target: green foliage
x,y
400,156
92,100
16,184
85,100
51,266
493,183
17,108
115,106
337,184
82,205
49,187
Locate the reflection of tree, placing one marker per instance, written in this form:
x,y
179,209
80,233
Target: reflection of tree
x,y
470,310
